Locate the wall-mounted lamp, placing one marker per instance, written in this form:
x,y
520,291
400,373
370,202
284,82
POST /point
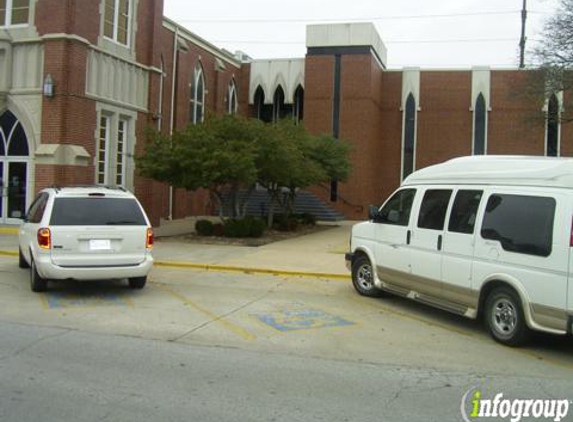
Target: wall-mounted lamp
x,y
48,86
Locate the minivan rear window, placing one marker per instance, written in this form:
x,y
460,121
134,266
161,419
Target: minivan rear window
x,y
522,224
97,211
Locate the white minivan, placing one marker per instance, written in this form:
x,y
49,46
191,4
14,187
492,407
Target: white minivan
x,y
86,233
483,237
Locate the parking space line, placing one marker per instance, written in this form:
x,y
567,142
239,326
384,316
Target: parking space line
x,y
524,352
236,329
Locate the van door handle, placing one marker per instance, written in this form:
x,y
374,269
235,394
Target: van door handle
x,y
440,242
408,237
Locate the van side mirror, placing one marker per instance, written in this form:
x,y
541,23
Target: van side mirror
x,y
373,213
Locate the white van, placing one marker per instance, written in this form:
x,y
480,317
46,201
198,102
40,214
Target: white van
x,y
477,236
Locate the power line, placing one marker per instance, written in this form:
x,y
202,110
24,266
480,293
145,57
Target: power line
x,y
451,41
346,19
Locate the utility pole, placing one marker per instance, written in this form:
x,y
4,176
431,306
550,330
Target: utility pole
x,y
523,38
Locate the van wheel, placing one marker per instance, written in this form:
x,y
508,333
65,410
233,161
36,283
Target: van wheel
x,y
137,282
505,318
363,277
37,283
22,263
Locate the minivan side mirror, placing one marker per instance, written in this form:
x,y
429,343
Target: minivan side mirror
x,y
373,213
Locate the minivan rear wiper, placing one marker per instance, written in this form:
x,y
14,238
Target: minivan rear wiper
x,y
121,222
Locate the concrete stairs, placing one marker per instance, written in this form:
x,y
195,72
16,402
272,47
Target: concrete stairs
x,y
305,203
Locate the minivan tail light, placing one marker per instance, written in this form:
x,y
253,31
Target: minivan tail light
x,y
45,238
149,238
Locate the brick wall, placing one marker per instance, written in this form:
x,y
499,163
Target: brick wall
x,y
516,124
445,120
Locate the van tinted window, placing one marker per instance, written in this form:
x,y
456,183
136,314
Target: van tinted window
x,y
397,209
464,211
522,224
433,209
96,211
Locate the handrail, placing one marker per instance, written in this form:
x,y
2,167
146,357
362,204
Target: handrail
x,y
359,208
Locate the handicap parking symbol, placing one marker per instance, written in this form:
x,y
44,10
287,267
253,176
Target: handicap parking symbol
x,y
300,318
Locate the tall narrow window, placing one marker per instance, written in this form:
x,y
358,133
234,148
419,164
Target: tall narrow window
x,y
278,104
552,135
298,111
259,103
121,153
262,111
102,154
117,19
232,103
479,126
14,12
198,95
408,158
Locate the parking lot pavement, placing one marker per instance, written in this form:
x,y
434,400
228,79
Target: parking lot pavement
x,y
312,318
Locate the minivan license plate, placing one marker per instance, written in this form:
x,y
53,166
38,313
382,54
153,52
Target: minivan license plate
x,y
100,244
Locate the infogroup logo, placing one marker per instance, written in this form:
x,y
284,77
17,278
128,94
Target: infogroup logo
x,y
513,410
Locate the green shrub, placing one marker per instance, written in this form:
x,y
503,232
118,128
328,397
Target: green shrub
x,y
307,219
285,224
247,227
204,228
218,229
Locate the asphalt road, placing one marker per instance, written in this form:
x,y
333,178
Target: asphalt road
x,y
236,347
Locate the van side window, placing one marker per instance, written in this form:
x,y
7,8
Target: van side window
x,y
397,209
464,211
433,209
36,211
522,224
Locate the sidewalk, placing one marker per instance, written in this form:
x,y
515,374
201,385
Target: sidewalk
x,y
319,254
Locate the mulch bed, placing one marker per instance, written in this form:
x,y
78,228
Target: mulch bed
x,y
270,236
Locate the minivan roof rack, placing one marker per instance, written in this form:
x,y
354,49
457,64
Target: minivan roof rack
x,y
121,188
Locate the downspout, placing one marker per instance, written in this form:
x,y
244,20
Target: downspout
x,y
172,123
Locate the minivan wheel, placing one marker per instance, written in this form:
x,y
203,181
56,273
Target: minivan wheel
x,y
505,318
37,283
363,277
21,260
137,282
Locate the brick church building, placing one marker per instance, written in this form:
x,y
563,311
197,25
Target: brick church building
x,y
81,80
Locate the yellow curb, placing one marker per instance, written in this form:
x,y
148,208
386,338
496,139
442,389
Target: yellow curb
x,y
251,270
9,253
9,230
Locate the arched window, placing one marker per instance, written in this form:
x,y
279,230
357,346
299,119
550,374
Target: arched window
x,y
552,128
278,104
479,146
409,146
232,103
298,110
262,111
14,142
198,95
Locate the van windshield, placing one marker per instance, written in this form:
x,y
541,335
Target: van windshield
x,y
97,211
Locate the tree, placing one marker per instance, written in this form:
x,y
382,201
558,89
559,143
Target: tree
x,y
229,154
217,155
290,159
554,57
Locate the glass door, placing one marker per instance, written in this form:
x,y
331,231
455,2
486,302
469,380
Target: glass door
x,y
15,182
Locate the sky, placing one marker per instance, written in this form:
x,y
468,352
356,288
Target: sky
x,y
423,33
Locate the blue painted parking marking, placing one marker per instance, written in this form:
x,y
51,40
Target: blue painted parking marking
x,y
300,318
74,300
